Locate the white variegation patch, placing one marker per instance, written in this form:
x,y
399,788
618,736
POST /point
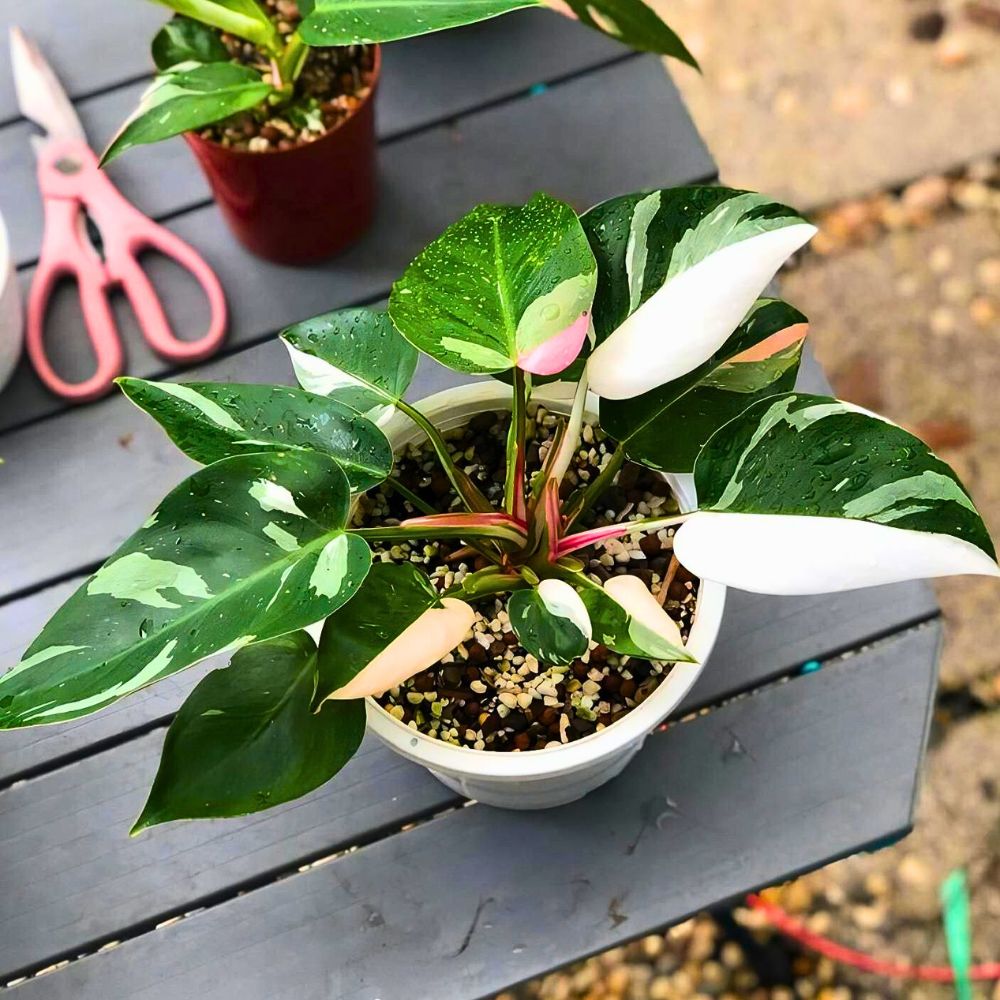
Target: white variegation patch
x,y
283,539
798,554
634,596
636,251
436,632
562,601
686,321
319,376
331,567
138,577
42,656
207,407
273,496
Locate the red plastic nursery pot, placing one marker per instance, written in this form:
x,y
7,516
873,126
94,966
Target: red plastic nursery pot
x,y
299,205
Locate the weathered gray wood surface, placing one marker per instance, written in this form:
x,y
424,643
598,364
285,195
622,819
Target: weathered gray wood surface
x,y
467,903
782,779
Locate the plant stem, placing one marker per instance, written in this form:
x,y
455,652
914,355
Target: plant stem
x,y
573,428
469,494
407,494
463,533
513,494
288,65
586,499
486,582
584,539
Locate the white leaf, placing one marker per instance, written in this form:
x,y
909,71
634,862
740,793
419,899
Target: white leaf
x,y
686,321
634,596
436,632
797,554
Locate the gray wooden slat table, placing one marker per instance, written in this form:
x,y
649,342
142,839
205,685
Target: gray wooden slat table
x,y
384,884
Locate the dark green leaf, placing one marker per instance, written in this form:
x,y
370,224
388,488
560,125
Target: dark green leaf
x,y
497,287
348,22
247,739
246,549
551,622
354,355
186,97
666,427
633,23
211,421
183,40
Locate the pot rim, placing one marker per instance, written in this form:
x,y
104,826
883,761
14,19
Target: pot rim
x,y
192,136
464,401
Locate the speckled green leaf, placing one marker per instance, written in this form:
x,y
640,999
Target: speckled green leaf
x,y
666,427
211,421
247,739
679,270
246,549
354,355
348,22
615,628
497,286
393,597
189,96
243,18
806,494
183,40
551,622
633,23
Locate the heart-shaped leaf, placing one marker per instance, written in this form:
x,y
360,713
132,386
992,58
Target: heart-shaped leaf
x,y
244,18
666,427
679,269
506,285
628,619
350,22
247,739
629,21
183,40
397,626
189,96
354,355
551,622
212,421
246,549
806,494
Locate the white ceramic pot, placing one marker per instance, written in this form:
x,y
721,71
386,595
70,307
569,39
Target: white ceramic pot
x,y
11,317
538,779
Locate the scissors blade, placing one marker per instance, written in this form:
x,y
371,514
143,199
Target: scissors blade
x,y
40,96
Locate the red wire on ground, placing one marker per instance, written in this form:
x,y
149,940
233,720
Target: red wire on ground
x,y
866,963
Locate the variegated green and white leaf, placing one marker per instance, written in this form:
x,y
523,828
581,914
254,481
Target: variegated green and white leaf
x,y
506,285
189,96
247,738
211,421
551,622
805,494
246,549
666,427
679,269
628,619
396,626
243,18
355,356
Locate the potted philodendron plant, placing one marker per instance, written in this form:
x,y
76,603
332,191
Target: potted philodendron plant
x,y
516,580
276,99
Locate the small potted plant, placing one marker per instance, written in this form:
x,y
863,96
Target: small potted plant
x,y
517,580
276,99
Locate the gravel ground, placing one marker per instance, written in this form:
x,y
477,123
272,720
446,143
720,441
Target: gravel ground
x,y
902,287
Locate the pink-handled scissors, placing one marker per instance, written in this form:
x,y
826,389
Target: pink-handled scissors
x,y
74,188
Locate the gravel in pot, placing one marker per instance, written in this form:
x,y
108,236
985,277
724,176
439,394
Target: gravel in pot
x,y
491,694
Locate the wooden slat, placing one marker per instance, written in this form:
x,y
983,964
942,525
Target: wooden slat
x,y
425,81
770,785
504,153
